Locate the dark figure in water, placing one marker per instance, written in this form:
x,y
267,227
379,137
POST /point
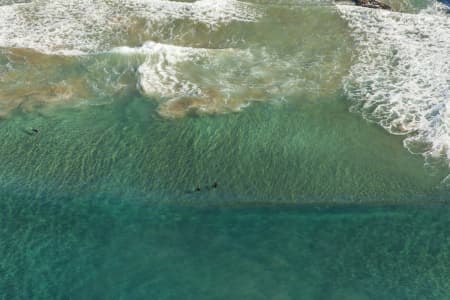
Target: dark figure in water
x,y
35,130
213,186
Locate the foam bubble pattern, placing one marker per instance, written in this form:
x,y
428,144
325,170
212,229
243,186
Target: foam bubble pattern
x,y
158,75
187,78
77,26
401,78
204,80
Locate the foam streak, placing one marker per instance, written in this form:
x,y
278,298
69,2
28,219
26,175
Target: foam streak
x,y
77,26
402,76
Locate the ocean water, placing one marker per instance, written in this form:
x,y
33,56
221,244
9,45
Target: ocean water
x,y
288,149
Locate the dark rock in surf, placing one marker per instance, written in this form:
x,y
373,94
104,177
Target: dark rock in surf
x,y
446,3
372,4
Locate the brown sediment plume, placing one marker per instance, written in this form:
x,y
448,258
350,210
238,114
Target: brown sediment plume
x,y
189,81
27,98
33,80
212,102
227,94
181,106
217,101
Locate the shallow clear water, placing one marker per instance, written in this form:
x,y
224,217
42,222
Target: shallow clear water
x,y
101,204
115,196
304,152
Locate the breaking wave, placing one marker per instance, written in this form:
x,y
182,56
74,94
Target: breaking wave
x,y
401,78
188,56
200,80
85,26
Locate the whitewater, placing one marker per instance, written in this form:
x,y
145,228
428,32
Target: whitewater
x,y
401,78
396,72
224,149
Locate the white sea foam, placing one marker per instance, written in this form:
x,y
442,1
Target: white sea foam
x,y
158,74
401,78
183,79
76,26
183,76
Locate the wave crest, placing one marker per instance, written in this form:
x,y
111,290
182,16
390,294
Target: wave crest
x,y
85,26
401,79
186,79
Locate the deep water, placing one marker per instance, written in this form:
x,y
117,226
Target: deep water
x,y
111,248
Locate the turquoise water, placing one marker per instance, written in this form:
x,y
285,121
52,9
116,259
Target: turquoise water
x,y
116,248
300,152
121,220
224,150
